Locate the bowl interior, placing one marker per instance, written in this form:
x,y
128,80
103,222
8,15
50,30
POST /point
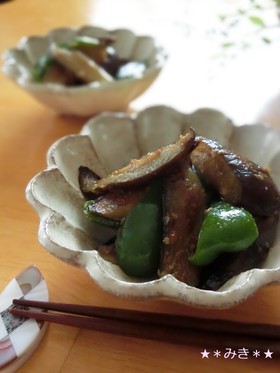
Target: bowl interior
x,y
87,99
108,142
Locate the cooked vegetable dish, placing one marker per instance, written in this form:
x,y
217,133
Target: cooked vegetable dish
x,y
84,60
192,209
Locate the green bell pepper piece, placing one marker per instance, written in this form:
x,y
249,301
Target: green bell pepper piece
x,y
41,67
225,228
80,42
138,243
43,64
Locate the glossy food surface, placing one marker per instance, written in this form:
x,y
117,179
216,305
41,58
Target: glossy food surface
x,y
56,195
28,129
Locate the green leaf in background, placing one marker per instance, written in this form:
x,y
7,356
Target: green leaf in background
x,y
228,45
241,11
257,21
266,40
245,46
222,17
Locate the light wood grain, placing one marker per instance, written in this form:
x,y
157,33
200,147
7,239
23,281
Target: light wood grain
x,y
27,129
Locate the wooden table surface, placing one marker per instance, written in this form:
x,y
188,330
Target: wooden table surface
x,y
246,89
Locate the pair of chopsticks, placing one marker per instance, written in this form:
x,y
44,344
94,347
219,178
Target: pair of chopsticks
x,y
206,333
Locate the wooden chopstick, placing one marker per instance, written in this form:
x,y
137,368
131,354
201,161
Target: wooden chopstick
x,y
224,326
162,327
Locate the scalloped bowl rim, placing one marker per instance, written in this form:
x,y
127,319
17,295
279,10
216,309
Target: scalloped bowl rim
x,y
166,287
134,87
161,51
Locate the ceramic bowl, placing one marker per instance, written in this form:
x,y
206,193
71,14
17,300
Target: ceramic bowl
x,y
108,142
91,98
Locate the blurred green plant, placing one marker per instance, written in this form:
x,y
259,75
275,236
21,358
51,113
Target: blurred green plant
x,y
258,22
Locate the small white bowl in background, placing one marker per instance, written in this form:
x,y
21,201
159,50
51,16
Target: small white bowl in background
x,y
108,142
89,99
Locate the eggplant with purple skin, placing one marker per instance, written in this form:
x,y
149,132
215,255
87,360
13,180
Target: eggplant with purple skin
x,y
184,205
87,178
80,60
190,168
115,204
115,195
237,180
141,171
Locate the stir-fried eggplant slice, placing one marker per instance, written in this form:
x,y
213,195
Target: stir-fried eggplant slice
x,y
114,63
115,204
108,252
232,264
141,171
101,51
184,206
80,65
100,54
77,61
238,180
47,70
189,169
95,48
100,219
87,178
83,60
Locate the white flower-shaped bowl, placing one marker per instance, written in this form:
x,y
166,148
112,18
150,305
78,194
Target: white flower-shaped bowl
x,y
108,142
95,97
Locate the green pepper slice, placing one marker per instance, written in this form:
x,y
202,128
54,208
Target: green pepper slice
x,y
225,228
80,42
44,63
41,66
138,243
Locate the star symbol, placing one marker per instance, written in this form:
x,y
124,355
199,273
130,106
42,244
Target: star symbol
x,y
217,353
256,353
204,354
268,353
